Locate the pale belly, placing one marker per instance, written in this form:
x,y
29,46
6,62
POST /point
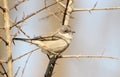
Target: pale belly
x,y
52,47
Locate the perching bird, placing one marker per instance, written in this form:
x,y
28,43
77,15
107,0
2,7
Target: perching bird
x,y
53,44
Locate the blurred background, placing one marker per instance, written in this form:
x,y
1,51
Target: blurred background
x,y
97,33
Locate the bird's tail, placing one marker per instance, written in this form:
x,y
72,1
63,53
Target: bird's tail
x,y
22,39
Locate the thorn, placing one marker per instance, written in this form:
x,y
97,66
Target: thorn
x,y
16,8
3,9
95,5
4,40
13,41
90,11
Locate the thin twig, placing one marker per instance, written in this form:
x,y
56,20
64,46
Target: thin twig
x,y
94,9
52,14
32,14
23,31
61,3
26,64
4,40
5,72
17,72
87,56
45,3
25,54
17,4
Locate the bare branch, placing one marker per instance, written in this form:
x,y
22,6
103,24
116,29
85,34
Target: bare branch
x,y
52,14
87,56
61,3
5,72
18,27
32,14
45,2
51,66
17,72
26,64
94,9
67,12
17,4
4,40
25,54
8,37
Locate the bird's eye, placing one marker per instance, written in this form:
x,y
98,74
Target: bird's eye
x,y
66,31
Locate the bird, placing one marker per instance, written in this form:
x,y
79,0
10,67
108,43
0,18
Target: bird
x,y
52,44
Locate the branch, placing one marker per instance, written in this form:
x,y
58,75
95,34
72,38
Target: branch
x,y
51,66
67,12
29,16
25,54
87,56
3,9
61,3
5,72
4,40
17,72
17,4
19,28
8,37
26,64
52,14
94,9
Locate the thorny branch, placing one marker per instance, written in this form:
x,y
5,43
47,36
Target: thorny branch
x,y
52,14
94,9
26,64
87,56
19,28
32,14
17,4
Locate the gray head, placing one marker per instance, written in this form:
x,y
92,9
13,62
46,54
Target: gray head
x,y
66,33
66,29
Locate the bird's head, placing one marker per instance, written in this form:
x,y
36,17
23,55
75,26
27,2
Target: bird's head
x,y
66,32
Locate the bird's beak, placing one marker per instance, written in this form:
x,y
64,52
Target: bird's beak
x,y
73,31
